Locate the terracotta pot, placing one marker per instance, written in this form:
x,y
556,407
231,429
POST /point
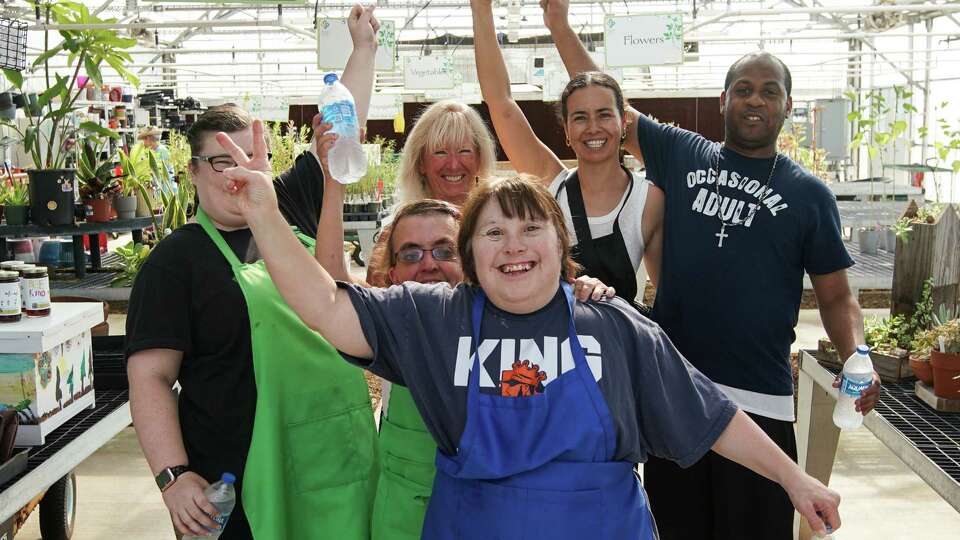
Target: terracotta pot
x,y
946,368
100,210
922,369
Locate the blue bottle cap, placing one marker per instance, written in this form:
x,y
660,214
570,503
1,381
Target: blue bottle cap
x,y
863,349
330,78
228,478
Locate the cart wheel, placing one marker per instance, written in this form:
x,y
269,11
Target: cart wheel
x,y
58,509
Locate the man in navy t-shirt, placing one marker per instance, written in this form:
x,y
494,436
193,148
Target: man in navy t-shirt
x,y
741,226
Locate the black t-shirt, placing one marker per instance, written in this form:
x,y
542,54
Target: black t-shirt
x,y
185,298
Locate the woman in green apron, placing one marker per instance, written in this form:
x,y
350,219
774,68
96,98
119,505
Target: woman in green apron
x,y
262,395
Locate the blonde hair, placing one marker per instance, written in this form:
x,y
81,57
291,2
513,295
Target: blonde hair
x,y
442,123
149,131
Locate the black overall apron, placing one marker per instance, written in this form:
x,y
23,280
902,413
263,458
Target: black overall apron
x,y
605,258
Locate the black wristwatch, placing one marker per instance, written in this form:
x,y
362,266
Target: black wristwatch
x,y
168,475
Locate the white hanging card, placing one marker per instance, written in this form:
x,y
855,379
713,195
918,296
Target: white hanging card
x,y
643,40
334,44
432,72
385,106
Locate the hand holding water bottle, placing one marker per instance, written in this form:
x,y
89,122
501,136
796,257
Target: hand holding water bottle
x,y
222,496
189,509
855,384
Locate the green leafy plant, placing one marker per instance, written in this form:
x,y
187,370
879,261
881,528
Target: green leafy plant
x,y
132,257
385,171
17,194
286,144
141,168
52,121
871,131
930,340
791,143
899,332
95,177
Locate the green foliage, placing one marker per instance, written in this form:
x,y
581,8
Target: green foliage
x,y
868,118
87,48
17,194
285,145
180,154
386,171
95,175
930,340
132,256
899,332
791,143
141,168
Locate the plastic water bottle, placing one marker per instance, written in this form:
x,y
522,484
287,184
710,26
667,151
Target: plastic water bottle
x,y
222,495
857,377
347,160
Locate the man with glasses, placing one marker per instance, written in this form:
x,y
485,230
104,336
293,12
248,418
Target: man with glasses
x,y
262,396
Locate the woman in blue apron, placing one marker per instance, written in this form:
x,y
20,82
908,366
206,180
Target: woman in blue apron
x,y
540,407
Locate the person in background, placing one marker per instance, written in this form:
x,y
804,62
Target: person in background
x,y
262,395
150,138
742,225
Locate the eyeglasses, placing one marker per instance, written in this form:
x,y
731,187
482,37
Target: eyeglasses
x,y
222,161
413,255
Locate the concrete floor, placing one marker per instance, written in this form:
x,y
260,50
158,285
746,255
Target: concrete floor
x,y
882,498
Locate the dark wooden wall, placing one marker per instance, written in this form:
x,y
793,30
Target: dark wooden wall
x,y
701,115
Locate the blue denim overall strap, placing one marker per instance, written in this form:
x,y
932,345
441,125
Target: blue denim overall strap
x,y
539,466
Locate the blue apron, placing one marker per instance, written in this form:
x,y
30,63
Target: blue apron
x,y
537,467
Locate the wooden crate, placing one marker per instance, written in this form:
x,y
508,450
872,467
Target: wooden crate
x,y
892,367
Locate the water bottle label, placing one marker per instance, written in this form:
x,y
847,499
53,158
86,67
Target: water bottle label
x,y
342,115
852,387
222,519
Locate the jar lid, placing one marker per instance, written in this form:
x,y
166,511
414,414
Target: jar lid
x,y
35,271
6,274
11,265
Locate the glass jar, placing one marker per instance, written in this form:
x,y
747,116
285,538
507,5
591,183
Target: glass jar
x,y
38,292
10,304
23,285
11,265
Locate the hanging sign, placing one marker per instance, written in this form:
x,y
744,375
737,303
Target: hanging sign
x,y
274,109
554,82
432,72
385,106
334,44
643,40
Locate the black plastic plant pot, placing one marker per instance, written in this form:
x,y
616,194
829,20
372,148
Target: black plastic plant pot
x,y
51,196
19,101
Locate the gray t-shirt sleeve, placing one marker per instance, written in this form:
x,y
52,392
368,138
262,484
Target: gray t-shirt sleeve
x,y
680,412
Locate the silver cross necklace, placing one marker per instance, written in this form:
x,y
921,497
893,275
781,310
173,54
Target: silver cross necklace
x,y
716,188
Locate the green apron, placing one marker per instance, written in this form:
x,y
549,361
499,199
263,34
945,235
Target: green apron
x,y
312,465
407,456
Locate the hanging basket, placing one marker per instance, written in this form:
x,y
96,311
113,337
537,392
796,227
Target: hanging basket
x,y
13,44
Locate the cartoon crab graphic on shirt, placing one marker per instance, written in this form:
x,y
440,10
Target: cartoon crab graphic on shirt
x,y
524,380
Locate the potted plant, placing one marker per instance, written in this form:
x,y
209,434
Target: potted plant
x,y
938,351
17,203
869,240
51,122
95,175
140,169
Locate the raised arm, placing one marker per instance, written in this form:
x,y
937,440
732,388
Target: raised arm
x,y
358,73
329,248
525,151
301,280
576,59
745,443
